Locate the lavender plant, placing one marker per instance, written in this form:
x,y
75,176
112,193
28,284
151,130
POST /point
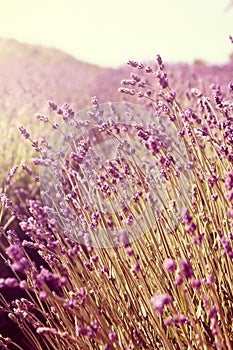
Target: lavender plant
x,y
170,287
30,75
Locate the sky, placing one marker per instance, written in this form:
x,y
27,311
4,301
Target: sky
x,y
110,32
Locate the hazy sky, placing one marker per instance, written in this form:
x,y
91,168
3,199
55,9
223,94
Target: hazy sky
x,y
110,32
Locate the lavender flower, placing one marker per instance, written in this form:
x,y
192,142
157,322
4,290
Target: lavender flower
x,y
159,301
169,265
186,269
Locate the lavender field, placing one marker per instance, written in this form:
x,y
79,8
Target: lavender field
x,y
139,254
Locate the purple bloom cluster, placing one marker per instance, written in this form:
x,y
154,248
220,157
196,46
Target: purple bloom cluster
x,y
170,265
159,301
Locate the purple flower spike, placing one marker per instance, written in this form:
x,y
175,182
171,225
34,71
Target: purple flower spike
x,y
11,282
169,265
196,283
112,336
186,217
159,301
123,237
229,181
191,228
52,105
186,268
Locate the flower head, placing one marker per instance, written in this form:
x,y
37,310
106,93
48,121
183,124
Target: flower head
x,y
159,301
186,268
169,265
